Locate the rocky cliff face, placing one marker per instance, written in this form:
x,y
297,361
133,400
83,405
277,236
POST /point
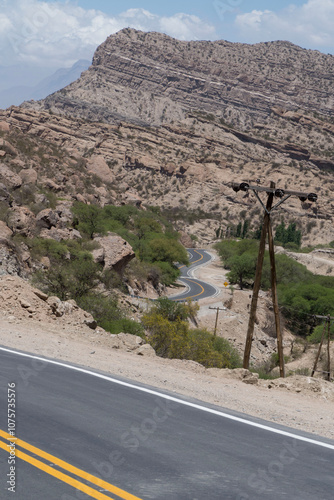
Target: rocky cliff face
x,y
151,78
162,122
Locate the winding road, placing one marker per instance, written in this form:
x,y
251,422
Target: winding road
x,y
196,289
80,434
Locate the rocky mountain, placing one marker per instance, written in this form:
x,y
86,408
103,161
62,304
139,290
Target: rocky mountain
x,y
168,123
151,78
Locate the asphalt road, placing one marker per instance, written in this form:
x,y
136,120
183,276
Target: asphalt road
x,y
149,444
196,289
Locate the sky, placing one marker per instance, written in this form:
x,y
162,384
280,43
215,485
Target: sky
x,y
37,37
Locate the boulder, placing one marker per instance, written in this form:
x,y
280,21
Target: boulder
x,y
50,184
130,198
60,308
5,232
21,221
10,177
47,218
98,255
28,176
186,240
60,234
130,342
8,148
90,322
98,166
117,252
65,216
4,193
169,169
4,127
146,350
9,263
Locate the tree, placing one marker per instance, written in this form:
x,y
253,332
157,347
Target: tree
x,y
170,335
242,269
245,229
167,250
288,235
72,279
88,219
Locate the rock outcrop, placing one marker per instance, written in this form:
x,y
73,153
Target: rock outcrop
x,y
115,253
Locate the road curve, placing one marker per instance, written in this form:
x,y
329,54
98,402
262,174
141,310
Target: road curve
x,y
196,289
125,440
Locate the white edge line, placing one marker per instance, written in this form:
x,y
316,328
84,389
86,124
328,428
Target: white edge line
x,y
176,400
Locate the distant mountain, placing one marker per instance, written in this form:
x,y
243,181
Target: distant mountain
x,y
61,78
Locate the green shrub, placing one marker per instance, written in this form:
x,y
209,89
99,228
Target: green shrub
x,y
315,336
124,325
103,309
171,336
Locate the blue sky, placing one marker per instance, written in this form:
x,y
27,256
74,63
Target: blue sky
x,y
44,35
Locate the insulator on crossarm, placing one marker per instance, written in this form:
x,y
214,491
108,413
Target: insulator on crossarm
x,y
312,197
279,193
244,186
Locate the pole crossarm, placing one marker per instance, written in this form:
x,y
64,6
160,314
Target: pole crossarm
x,y
244,186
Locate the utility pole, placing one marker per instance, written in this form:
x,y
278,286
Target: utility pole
x,y
217,315
327,326
275,302
267,229
257,281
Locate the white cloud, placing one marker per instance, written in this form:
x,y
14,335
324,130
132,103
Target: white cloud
x,y
57,34
309,25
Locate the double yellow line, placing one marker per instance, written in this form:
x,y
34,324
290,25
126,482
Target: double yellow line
x,y
66,467
195,261
193,296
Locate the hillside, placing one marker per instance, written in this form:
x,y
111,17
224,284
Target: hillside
x,y
165,127
177,122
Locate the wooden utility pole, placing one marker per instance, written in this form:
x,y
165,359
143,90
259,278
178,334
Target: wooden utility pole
x,y
320,346
257,282
266,228
275,302
328,325
217,315
329,350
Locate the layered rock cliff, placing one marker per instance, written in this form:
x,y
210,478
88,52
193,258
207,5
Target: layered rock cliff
x,y
151,78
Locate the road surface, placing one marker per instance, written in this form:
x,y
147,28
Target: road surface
x,y
196,289
78,430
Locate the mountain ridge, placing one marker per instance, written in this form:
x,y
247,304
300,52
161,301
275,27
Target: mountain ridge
x,y
151,78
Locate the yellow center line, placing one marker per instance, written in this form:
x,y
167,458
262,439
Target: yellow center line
x,y
202,257
195,261
66,466
193,296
